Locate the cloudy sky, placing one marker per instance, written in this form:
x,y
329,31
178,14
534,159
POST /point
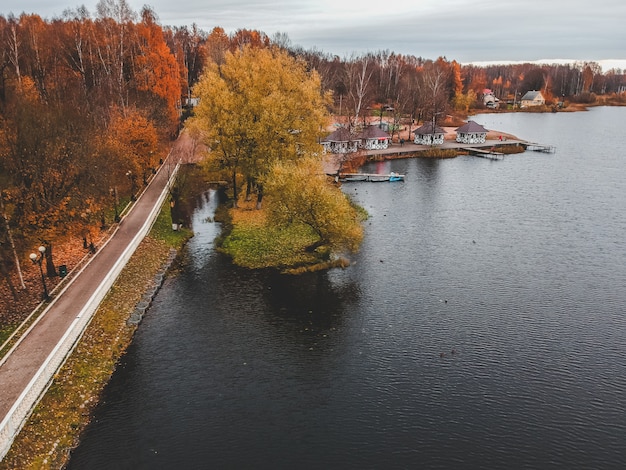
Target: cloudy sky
x,y
464,30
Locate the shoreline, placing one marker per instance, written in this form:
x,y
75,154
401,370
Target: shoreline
x,y
65,410
335,164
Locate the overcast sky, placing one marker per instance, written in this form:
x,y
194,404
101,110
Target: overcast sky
x,y
463,30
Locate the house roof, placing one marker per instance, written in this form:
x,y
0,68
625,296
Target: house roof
x,y
532,95
427,128
341,135
374,132
471,127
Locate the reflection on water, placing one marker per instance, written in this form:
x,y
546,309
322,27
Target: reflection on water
x,y
517,265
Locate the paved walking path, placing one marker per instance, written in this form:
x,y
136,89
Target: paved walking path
x,y
23,363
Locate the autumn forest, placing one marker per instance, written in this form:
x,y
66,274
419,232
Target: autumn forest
x,y
89,104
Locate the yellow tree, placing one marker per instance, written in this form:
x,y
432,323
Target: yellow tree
x,y
299,193
258,107
465,101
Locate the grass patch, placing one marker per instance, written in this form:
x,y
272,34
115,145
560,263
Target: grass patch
x,y
510,149
439,153
323,266
251,243
362,213
5,332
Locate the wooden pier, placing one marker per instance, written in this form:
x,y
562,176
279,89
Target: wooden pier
x,y
540,148
481,152
371,177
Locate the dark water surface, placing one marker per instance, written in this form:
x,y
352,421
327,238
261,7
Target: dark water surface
x,y
519,266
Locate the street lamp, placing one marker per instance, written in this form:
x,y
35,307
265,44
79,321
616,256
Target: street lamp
x,y
132,178
87,232
113,192
38,259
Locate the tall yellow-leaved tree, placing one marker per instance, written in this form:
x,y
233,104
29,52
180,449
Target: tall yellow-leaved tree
x,y
300,194
258,107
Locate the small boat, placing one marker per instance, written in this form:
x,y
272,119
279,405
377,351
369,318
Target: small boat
x,y
395,177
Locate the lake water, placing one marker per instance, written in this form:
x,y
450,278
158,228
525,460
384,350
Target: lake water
x,y
518,266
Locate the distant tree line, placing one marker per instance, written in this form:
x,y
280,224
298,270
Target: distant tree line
x,y
410,87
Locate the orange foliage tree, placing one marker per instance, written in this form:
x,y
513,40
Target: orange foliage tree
x,y
83,102
43,151
157,71
134,137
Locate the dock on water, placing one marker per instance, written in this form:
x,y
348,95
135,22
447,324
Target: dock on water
x,y
535,147
484,153
371,177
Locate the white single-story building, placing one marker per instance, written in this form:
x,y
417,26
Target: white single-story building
x,y
374,138
341,141
471,133
426,135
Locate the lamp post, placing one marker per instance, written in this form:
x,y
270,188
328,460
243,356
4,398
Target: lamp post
x,y
132,178
113,192
38,259
87,232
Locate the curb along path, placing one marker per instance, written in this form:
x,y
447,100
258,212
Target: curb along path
x,y
28,370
